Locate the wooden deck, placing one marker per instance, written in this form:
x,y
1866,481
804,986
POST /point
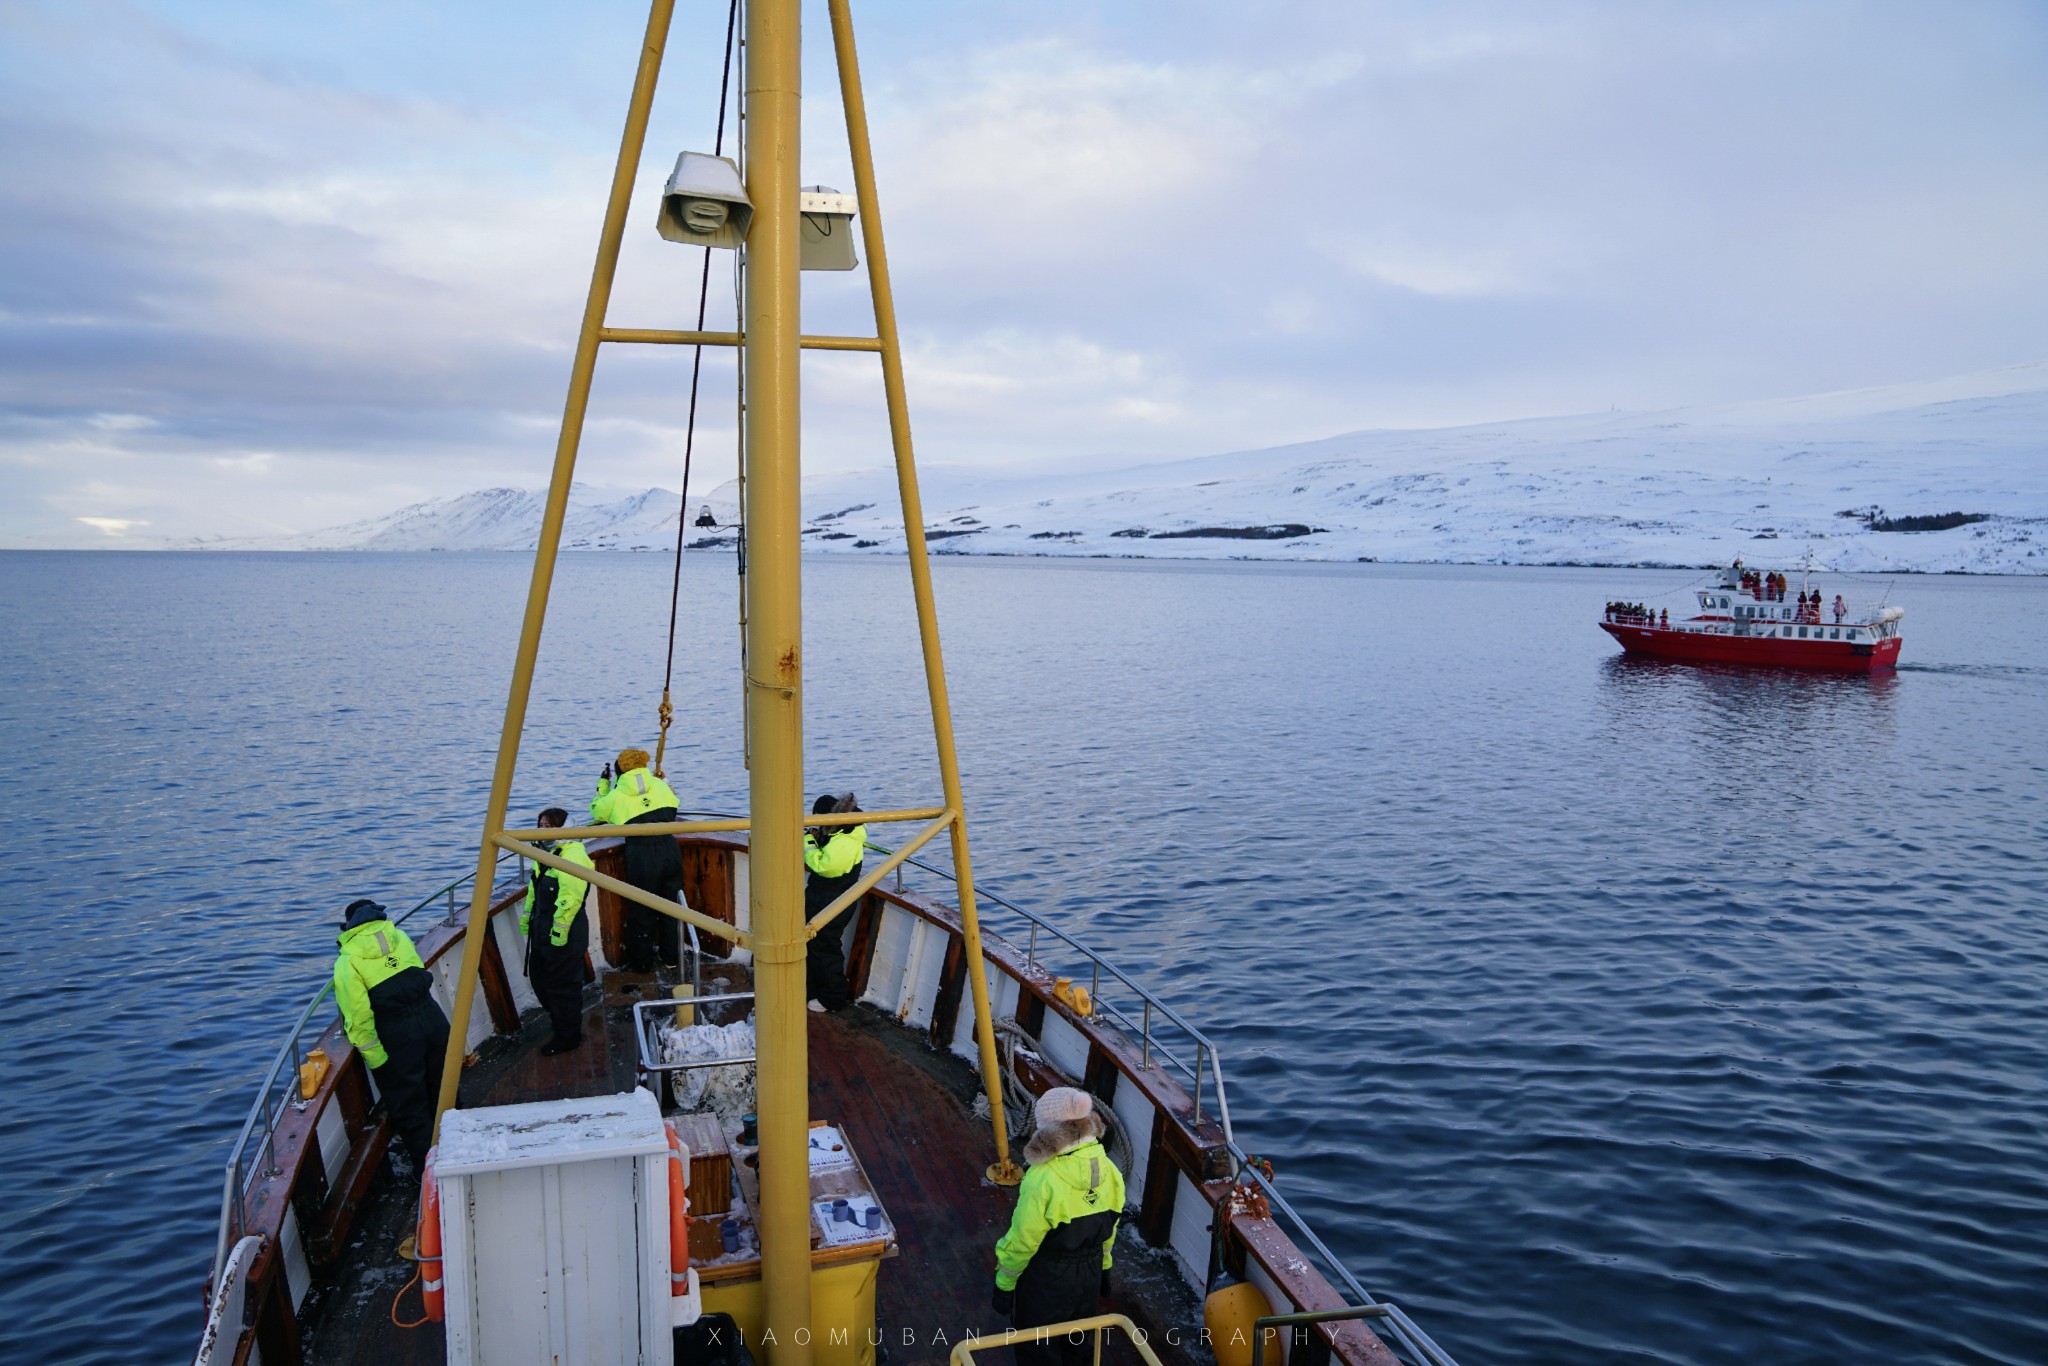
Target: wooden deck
x,y
904,1104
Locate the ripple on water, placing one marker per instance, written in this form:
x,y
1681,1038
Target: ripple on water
x,y
1594,1012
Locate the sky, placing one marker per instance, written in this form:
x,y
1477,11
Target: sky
x,y
269,268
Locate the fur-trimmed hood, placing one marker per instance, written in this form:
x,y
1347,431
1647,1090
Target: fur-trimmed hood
x,y
1055,1139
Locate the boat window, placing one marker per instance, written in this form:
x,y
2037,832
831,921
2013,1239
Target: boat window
x,y
1802,633
1835,634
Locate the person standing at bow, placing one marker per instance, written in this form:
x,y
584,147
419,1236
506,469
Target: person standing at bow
x,y
653,864
388,1008
832,856
557,936
1053,1264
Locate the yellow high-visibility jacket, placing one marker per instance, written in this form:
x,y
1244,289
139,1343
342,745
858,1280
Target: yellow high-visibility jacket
x,y
569,891
1072,1185
840,853
372,953
629,795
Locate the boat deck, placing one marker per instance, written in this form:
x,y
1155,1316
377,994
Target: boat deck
x,y
904,1104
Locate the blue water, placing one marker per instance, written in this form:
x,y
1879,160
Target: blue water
x,y
1596,1011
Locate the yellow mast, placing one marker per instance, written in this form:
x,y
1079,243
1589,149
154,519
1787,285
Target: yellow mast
x,y
774,683
1004,1171
543,579
772,342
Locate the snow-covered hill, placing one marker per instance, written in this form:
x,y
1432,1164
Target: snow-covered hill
x,y
508,519
1686,487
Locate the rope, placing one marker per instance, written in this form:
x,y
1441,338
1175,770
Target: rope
x,y
665,712
1019,1104
397,1322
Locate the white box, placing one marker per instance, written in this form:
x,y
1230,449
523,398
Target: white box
x,y
554,1229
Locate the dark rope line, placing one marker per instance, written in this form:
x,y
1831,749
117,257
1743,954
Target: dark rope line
x,y
696,373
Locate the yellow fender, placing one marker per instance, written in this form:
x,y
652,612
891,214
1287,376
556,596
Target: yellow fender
x,y
1229,1315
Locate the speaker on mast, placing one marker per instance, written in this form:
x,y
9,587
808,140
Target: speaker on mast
x,y
825,239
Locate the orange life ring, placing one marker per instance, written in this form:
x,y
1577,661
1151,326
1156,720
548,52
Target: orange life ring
x,y
427,1242
678,1216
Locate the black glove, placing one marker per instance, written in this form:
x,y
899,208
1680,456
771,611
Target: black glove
x,y
1005,1301
607,774
1105,1282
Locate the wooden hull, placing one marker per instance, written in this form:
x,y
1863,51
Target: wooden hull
x,y
1771,652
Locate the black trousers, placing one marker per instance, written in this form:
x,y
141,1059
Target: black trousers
x,y
825,958
1060,1284
653,864
825,965
416,1042
557,975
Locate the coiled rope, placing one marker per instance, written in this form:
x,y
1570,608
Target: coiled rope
x,y
1019,1104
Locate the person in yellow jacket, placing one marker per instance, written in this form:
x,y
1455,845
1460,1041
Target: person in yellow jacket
x,y
1053,1264
653,863
557,936
388,1009
832,854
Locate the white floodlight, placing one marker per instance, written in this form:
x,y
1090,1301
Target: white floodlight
x,y
826,237
704,202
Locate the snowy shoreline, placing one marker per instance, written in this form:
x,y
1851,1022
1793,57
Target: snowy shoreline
x,y
1771,482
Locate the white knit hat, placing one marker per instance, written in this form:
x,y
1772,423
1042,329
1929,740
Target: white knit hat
x,y
1062,1104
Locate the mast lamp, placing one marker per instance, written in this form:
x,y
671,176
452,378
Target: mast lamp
x,y
704,202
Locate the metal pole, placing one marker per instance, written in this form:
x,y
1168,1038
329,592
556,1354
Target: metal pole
x,y
774,681
550,542
1004,1172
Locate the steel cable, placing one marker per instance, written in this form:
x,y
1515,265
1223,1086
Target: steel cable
x,y
666,713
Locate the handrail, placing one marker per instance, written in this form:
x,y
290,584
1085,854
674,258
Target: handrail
x,y
1401,1328
1205,1049
964,1350
1404,1331
643,1036
265,1107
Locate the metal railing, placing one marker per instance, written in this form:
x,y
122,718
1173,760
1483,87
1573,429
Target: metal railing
x,y
1149,1007
276,1094
1404,1333
1272,1323
1395,1325
964,1350
645,1029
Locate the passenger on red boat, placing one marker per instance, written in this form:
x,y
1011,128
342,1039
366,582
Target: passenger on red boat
x,y
1666,615
1841,609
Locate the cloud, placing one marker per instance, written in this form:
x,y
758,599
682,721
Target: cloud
x,y
272,275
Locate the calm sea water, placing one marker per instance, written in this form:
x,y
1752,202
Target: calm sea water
x,y
1595,1011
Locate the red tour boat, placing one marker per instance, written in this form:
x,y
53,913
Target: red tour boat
x,y
1748,618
